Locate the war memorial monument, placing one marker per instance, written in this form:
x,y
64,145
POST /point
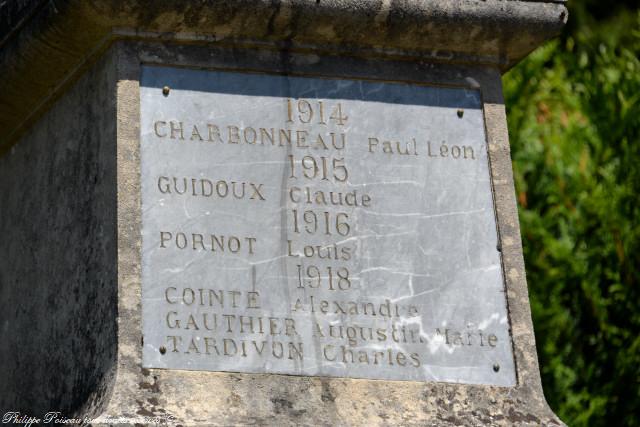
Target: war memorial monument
x,y
264,212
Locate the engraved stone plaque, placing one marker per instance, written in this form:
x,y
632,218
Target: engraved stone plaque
x,y
315,226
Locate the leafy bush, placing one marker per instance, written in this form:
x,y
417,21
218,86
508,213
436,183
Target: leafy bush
x,y
574,122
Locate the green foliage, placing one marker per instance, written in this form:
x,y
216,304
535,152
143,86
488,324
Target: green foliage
x,y
574,121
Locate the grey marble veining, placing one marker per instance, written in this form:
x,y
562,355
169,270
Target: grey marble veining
x,y
312,226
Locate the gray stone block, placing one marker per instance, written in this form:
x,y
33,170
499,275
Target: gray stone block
x,y
79,205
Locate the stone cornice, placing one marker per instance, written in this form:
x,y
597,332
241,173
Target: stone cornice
x,y
47,44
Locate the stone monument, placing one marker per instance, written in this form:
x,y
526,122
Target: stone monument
x,y
280,213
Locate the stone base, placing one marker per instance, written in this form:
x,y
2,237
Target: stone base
x,y
70,268
86,297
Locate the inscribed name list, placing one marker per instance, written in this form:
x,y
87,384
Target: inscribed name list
x,y
316,226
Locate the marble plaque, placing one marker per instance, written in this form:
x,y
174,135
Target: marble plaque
x,y
315,226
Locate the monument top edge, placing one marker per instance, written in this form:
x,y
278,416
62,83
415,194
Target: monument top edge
x,y
495,33
518,25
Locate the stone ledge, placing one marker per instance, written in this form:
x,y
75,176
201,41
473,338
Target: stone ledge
x,y
49,44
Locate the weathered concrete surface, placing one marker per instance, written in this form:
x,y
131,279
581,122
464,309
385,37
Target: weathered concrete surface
x,y
79,167
63,37
57,272
74,176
